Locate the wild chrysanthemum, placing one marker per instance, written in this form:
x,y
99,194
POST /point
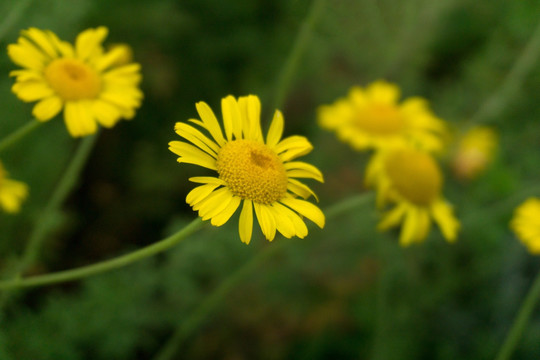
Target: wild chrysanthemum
x,y
91,85
372,118
526,224
474,152
12,192
257,172
412,180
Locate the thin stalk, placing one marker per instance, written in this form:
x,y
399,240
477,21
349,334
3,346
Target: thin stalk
x,y
520,321
525,63
60,193
104,266
293,60
211,302
18,134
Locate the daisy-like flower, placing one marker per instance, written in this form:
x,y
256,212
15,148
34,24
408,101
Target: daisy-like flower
x,y
372,118
411,180
92,85
526,224
253,171
474,152
12,192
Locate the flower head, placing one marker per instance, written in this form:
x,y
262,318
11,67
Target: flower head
x,y
372,118
526,224
12,192
92,85
412,180
253,171
474,152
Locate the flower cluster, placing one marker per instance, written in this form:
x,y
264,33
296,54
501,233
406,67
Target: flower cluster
x,y
402,170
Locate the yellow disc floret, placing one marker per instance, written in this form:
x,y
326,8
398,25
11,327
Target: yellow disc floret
x,y
381,119
252,171
72,79
415,176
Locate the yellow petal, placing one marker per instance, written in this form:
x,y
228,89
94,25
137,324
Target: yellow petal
x,y
300,189
191,154
306,209
47,108
409,227
88,42
250,108
78,118
300,227
266,221
392,218
283,223
303,170
245,224
197,138
226,214
275,131
41,39
210,122
443,215
32,90
106,113
207,180
199,193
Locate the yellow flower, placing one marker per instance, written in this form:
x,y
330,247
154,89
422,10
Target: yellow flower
x,y
12,192
250,170
412,180
90,84
526,224
372,118
475,151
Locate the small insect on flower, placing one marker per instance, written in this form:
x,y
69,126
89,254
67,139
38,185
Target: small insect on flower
x,y
412,180
92,85
253,171
372,118
12,192
526,224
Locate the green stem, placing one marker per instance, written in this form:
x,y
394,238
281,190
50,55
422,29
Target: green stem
x,y
212,301
18,134
107,265
520,321
13,16
293,60
62,190
526,62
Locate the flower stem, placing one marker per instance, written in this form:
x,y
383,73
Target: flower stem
x,y
520,321
211,302
299,46
18,134
40,231
526,62
97,268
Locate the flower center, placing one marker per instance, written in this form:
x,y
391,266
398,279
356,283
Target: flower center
x,y
252,171
415,175
380,119
72,79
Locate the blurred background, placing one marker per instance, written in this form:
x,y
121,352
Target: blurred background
x,y
347,292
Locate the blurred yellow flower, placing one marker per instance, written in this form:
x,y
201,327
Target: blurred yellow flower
x,y
373,118
526,224
475,151
91,85
412,180
250,170
12,192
